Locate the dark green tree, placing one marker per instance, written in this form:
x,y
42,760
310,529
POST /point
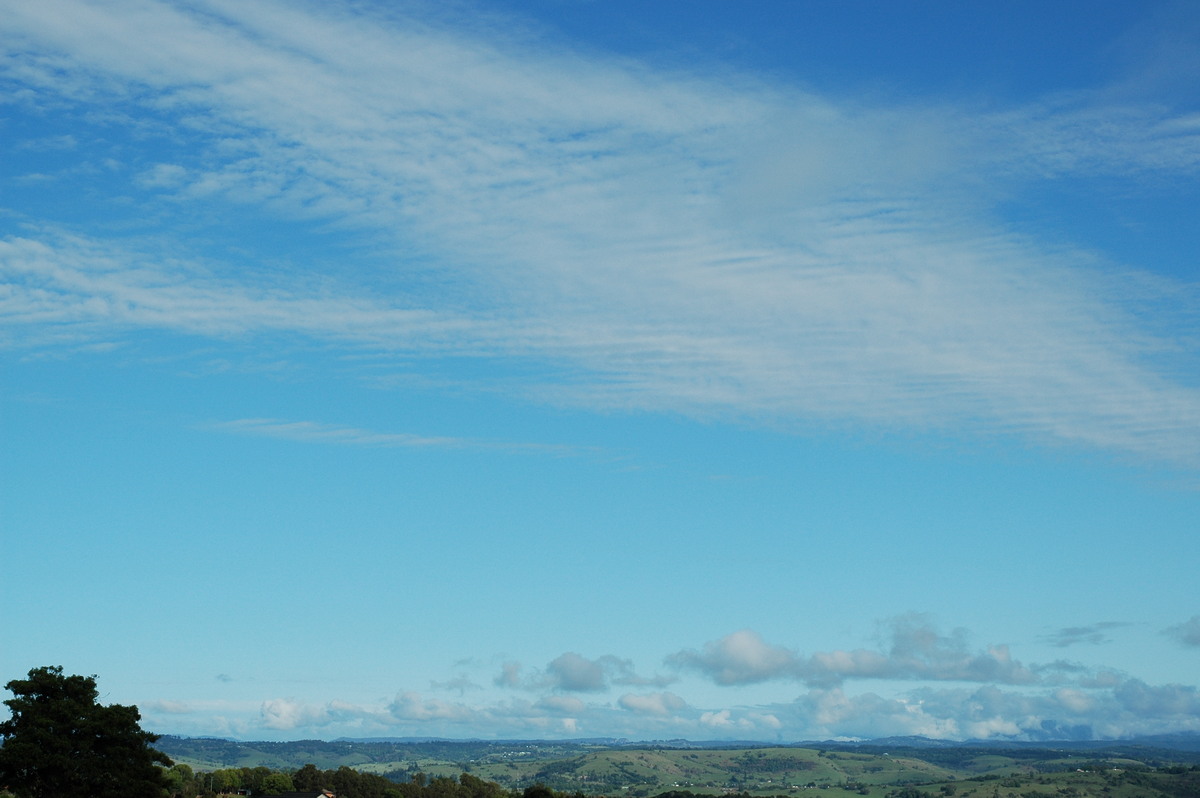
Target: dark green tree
x,y
309,778
62,743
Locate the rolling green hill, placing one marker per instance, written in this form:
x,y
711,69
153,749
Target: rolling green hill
x,y
610,768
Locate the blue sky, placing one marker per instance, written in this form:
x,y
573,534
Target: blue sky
x,y
758,370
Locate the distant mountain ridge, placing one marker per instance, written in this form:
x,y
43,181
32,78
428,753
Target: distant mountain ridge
x,y
441,756
1178,741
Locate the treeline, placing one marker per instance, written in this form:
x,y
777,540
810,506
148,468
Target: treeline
x,y
345,782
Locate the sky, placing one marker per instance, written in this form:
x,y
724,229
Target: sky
x,y
550,369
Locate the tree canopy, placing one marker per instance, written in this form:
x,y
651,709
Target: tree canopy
x,y
62,743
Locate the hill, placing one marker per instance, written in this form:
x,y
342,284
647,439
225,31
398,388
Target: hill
x,y
646,769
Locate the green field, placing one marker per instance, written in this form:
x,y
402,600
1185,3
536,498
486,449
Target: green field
x,y
620,770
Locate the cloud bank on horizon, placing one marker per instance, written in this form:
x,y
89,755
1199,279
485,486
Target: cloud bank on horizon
x,y
959,693
379,199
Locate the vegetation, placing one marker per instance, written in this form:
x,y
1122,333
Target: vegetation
x,y
1171,782
60,742
573,770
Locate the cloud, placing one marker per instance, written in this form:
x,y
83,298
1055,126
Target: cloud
x,y
411,706
653,703
719,719
572,672
1170,700
742,657
918,651
1187,633
635,240
561,704
315,432
946,694
991,712
509,676
287,713
461,684
1072,635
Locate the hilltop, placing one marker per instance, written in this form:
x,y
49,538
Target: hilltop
x,y
613,767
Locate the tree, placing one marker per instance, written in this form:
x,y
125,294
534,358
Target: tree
x,y
181,781
61,743
308,778
277,783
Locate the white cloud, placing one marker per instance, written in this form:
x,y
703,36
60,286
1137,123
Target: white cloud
x,y
719,719
1076,702
1092,707
573,672
509,676
1094,633
1188,632
286,714
460,683
169,707
917,652
316,432
1169,700
163,175
412,706
653,703
561,704
742,657
666,242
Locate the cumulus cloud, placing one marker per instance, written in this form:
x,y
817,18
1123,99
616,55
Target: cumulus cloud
x,y
742,657
411,706
917,651
572,672
1098,703
719,719
652,703
986,712
1187,633
1168,700
509,676
288,713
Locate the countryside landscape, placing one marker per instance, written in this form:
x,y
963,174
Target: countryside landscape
x,y
600,398
675,769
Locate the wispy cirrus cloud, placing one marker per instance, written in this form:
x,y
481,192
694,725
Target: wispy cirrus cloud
x,y
1072,635
314,432
711,245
